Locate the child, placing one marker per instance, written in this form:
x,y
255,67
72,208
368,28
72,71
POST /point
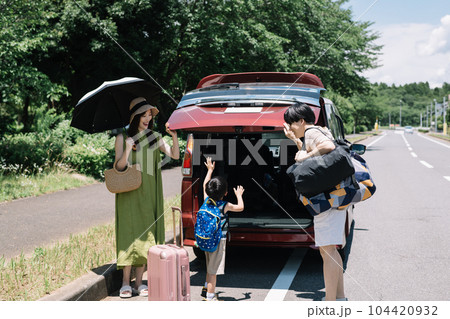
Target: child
x,y
215,189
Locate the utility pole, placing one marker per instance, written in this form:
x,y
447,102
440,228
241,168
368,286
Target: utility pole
x,y
389,120
444,121
420,119
401,113
435,115
427,117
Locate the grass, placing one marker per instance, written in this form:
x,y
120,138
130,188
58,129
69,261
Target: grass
x,y
362,135
15,186
49,268
441,136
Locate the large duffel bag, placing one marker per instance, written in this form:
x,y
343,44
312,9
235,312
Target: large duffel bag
x,y
351,190
320,173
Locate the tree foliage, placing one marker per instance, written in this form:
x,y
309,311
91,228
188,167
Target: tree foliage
x,y
53,52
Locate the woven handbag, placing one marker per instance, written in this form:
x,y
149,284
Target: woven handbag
x,y
123,181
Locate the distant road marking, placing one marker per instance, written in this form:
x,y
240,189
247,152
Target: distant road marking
x,y
427,138
426,164
369,145
286,276
409,149
447,178
406,142
413,154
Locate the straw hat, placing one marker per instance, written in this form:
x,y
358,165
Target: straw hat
x,y
140,105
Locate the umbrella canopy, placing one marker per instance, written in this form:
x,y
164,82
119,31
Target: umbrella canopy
x,y
107,107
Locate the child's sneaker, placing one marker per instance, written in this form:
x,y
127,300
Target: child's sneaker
x,y
215,298
204,290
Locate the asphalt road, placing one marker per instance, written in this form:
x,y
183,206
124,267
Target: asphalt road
x,y
39,221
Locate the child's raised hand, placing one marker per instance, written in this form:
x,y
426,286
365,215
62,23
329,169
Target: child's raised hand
x,y
210,165
238,191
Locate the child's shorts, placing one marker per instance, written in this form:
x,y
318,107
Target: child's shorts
x,y
215,261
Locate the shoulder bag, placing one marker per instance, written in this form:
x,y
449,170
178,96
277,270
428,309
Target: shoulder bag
x,y
320,173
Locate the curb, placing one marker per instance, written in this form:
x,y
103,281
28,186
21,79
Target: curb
x,y
95,285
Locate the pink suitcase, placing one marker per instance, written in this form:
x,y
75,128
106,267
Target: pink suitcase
x,y
168,270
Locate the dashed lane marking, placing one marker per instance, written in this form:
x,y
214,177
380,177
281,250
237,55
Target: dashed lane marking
x,y
426,164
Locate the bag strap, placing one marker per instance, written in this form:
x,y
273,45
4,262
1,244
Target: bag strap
x,y
210,200
338,141
320,130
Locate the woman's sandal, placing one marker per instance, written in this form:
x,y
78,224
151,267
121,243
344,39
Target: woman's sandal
x,y
142,291
126,292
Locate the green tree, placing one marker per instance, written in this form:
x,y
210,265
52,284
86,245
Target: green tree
x,y
25,38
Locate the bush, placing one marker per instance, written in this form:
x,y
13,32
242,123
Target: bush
x,y
348,127
65,132
30,151
182,144
91,154
361,128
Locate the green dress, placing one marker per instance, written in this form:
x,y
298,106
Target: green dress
x,y
140,213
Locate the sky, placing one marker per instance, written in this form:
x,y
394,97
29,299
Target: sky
x,y
416,39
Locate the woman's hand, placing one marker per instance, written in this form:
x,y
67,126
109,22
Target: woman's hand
x,y
301,156
129,143
288,132
171,133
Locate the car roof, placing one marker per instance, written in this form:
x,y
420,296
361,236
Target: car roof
x,y
297,78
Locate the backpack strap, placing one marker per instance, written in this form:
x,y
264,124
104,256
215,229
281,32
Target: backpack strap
x,y
211,201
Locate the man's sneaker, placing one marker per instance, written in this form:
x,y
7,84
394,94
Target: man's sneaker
x,y
203,294
338,299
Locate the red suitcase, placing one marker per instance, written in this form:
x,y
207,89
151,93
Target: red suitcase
x,y
168,270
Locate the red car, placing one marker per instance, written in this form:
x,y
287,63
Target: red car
x,y
237,119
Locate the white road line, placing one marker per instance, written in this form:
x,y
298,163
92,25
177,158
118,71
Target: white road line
x,y
409,149
404,139
286,276
427,138
426,164
369,145
447,178
413,154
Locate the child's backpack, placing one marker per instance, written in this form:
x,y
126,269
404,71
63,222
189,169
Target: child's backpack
x,y
208,230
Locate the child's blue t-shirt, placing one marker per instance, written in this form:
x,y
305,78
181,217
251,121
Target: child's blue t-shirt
x,y
223,216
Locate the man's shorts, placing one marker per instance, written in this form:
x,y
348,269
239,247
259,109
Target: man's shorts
x,y
215,261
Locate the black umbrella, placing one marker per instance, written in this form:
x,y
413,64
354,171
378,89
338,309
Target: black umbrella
x,y
107,107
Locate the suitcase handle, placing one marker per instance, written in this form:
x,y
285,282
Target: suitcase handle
x,y
175,228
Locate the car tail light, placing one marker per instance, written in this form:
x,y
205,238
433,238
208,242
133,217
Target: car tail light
x,y
187,162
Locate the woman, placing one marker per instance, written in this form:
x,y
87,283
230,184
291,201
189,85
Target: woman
x,y
329,226
139,213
